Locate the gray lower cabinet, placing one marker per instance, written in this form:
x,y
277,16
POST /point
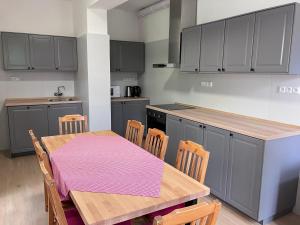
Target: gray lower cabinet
x,y
245,173
59,110
238,44
212,44
216,141
126,56
190,49
15,51
42,119
41,52
21,119
192,131
65,53
272,40
122,111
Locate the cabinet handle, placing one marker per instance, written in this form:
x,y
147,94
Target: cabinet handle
x,y
180,120
196,70
223,69
56,68
28,107
32,68
231,134
252,70
204,127
219,70
28,68
200,126
48,106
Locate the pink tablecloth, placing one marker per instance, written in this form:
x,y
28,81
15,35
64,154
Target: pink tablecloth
x,y
107,164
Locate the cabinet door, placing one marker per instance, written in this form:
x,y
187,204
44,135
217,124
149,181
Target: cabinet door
x,y
216,141
117,122
41,52
59,110
244,173
135,110
114,56
23,118
65,53
272,40
15,51
132,57
239,33
175,131
193,131
212,44
190,49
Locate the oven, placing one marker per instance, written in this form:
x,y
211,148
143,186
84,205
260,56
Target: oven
x,y
156,119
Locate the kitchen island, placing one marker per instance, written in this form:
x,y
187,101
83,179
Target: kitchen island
x,y
254,163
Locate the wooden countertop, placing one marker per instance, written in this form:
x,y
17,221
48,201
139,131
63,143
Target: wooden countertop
x,y
250,126
127,99
40,101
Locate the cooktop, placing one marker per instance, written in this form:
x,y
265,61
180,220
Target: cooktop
x,y
173,107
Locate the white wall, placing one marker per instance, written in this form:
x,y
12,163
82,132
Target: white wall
x,y
37,16
52,17
248,94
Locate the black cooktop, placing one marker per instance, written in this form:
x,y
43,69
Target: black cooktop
x,y
172,107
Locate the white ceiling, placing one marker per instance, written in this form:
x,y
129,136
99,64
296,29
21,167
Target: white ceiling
x,y
136,5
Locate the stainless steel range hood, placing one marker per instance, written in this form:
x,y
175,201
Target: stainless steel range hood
x,y
183,13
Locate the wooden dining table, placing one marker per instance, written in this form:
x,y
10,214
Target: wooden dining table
x,y
103,208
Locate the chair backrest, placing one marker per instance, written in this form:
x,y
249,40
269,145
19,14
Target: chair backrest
x,y
32,136
42,157
54,198
134,132
205,213
73,124
156,143
192,159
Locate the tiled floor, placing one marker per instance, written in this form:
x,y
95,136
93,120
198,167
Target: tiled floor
x,y
22,200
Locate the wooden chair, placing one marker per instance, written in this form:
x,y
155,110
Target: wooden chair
x,y
72,124
156,143
192,160
32,136
205,213
134,132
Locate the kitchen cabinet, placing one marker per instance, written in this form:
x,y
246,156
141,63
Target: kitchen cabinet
x,y
21,119
272,40
59,110
127,56
192,131
41,52
212,44
15,51
216,141
190,49
245,173
239,33
175,131
122,111
42,119
65,53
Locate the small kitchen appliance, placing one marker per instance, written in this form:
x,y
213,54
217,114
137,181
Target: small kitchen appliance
x,y
115,91
129,91
136,91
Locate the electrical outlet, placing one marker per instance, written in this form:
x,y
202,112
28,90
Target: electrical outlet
x,y
206,84
289,90
282,90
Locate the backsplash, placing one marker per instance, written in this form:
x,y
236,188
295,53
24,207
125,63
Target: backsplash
x,y
123,80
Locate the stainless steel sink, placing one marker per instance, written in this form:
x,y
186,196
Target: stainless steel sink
x,y
61,99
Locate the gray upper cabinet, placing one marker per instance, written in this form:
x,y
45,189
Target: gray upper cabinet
x,y
238,44
127,56
65,53
175,131
212,43
59,110
216,141
41,52
272,40
23,118
245,173
15,51
190,49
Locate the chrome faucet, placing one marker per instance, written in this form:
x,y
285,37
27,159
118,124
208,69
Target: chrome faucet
x,y
59,93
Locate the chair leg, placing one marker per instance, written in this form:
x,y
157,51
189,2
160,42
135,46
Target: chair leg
x,y
46,197
51,220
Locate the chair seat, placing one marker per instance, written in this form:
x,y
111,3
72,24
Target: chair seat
x,y
73,218
164,212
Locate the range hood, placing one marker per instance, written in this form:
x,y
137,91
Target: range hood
x,y
183,13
